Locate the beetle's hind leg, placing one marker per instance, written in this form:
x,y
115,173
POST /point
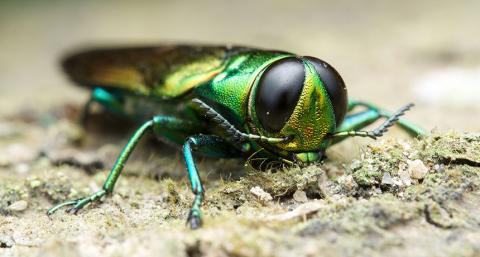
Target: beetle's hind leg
x,y
106,98
85,113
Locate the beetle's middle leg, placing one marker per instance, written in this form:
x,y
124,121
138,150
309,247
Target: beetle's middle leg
x,y
159,124
206,145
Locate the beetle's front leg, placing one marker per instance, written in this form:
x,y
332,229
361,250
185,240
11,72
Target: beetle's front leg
x,y
170,128
112,176
207,145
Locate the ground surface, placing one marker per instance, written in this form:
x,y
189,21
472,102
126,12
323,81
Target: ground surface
x,y
396,197
416,197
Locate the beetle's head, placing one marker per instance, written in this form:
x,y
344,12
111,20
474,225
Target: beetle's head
x,y
302,98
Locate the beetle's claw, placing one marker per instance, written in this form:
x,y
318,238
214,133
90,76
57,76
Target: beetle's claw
x,y
77,204
73,210
194,221
58,206
374,135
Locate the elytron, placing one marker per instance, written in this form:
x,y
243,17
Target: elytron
x,y
224,102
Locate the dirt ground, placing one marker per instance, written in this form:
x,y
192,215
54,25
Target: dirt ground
x,y
398,196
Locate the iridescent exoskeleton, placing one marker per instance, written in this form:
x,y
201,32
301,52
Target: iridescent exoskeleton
x,y
224,102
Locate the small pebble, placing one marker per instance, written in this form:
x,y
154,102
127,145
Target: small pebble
x,y
417,169
439,167
34,183
347,181
18,206
404,175
302,211
356,164
406,146
117,199
300,196
261,194
387,179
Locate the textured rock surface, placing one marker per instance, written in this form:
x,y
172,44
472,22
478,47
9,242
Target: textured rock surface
x,y
377,205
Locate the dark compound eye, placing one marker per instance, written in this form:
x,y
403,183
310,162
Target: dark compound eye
x,y
278,92
334,85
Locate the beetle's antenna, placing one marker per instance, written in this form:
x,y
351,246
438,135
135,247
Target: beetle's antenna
x,y
236,134
378,132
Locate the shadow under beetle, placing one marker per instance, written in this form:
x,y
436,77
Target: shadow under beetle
x,y
224,102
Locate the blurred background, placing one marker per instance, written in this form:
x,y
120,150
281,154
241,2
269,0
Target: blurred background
x,y
388,52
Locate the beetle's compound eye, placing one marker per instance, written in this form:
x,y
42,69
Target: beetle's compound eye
x,y
334,85
278,92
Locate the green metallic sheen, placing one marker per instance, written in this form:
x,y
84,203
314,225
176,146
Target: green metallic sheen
x,y
308,157
202,98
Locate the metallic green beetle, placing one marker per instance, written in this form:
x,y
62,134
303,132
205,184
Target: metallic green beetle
x,y
224,102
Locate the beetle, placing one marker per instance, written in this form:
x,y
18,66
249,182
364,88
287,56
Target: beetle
x,y
224,102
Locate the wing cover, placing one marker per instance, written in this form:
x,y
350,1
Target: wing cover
x,y
162,71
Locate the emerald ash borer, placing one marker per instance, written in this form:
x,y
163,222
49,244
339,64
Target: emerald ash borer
x,y
224,102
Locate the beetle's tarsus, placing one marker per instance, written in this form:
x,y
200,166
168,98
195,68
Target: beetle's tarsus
x,y
72,210
77,204
373,134
194,221
58,206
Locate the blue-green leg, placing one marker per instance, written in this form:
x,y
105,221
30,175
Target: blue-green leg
x,y
159,124
359,120
205,144
86,111
108,99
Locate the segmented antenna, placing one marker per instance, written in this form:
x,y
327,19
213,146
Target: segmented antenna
x,y
236,134
378,132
